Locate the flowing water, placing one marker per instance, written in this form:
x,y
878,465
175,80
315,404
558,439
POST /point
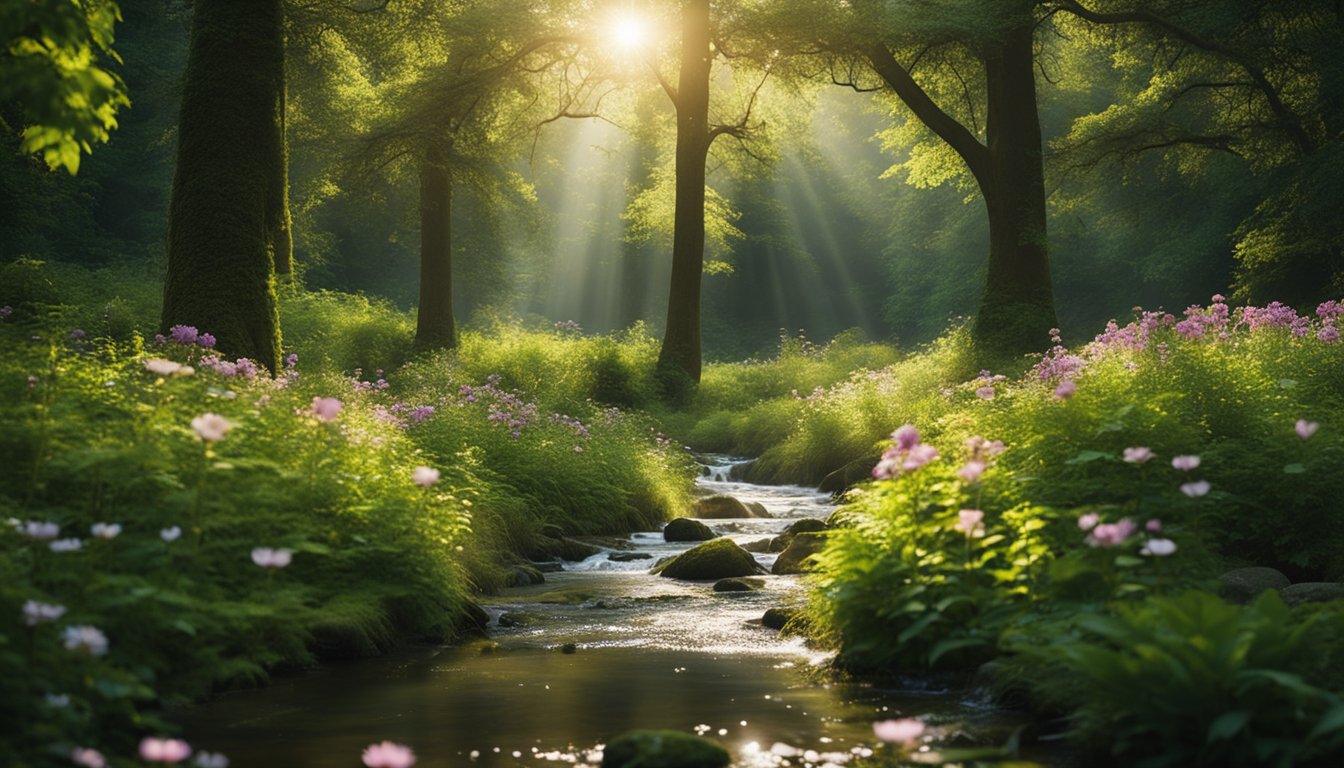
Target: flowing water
x,y
646,652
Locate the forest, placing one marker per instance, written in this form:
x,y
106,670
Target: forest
x,y
672,383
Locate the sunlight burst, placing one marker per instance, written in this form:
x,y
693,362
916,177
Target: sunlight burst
x,y
629,32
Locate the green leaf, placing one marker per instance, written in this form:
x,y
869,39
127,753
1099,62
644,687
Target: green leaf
x,y
1294,469
1128,561
1228,725
947,646
1287,383
1087,456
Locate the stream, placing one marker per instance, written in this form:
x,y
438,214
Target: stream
x,y
648,652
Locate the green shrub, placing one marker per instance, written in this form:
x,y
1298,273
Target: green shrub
x,y
1191,680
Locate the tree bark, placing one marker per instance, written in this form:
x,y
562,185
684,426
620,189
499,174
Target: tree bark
x,y
221,233
435,327
680,354
1017,310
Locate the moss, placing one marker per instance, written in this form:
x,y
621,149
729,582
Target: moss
x,y
663,749
717,559
686,529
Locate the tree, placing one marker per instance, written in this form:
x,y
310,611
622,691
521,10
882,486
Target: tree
x,y
51,67
228,219
1259,81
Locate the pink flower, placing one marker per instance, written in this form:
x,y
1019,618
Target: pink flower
x,y
985,393
1088,521
918,457
905,732
970,522
982,449
1305,429
326,408
1138,454
1158,548
972,471
388,755
1111,534
425,476
272,558
1185,463
89,758
1196,489
1154,526
1065,390
211,427
906,437
165,751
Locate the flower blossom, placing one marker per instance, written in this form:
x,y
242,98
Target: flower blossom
x,y
1196,489
161,367
66,545
388,755
906,437
1305,429
211,427
1088,521
982,449
1111,534
38,530
106,530
170,534
425,477
267,557
971,471
184,334
326,408
985,393
211,760
1066,389
1138,454
905,732
166,751
87,639
970,522
1153,526
35,613
1158,548
89,758
1185,463
206,340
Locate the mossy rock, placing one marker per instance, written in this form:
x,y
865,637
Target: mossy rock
x,y
720,508
686,529
759,545
524,576
625,557
776,618
739,585
571,550
758,510
805,525
797,557
717,559
663,749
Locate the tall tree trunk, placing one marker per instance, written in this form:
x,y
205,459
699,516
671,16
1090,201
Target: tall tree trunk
x,y
277,202
221,259
435,327
680,354
1017,309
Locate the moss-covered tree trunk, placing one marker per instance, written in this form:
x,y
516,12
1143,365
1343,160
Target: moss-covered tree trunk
x,y
223,229
435,327
680,354
1017,309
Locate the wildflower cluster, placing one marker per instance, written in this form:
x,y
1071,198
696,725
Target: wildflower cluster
x,y
905,455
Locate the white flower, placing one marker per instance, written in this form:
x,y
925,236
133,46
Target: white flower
x,y
170,534
424,476
161,367
1196,489
35,613
211,760
57,700
40,531
272,558
1159,548
66,545
90,640
211,427
106,530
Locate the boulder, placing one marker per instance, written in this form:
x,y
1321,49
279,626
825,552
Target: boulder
x,y
758,509
739,585
686,529
776,618
573,551
717,559
551,566
625,557
1241,585
1311,592
663,749
720,508
805,525
795,558
523,576
759,545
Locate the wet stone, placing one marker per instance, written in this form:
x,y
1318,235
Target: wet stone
x,y
717,559
739,585
686,529
663,749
